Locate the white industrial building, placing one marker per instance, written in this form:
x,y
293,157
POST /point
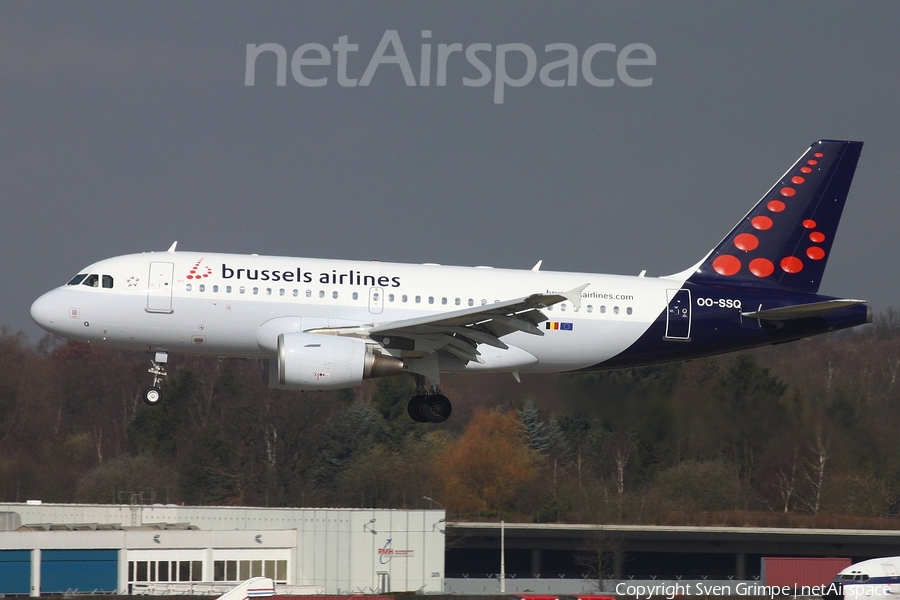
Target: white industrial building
x,y
54,548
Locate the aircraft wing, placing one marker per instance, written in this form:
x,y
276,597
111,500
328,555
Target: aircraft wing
x,y
459,332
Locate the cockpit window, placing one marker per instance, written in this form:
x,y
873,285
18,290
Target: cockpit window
x,y
92,280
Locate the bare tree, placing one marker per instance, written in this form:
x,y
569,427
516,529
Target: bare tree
x,y
814,473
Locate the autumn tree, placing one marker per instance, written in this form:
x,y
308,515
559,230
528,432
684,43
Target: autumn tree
x,y
485,470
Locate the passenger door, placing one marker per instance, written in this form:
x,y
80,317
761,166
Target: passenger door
x,y
159,287
678,315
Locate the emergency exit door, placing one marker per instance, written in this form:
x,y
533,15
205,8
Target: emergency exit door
x,y
376,300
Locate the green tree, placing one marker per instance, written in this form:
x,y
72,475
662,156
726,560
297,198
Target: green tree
x,y
749,397
534,428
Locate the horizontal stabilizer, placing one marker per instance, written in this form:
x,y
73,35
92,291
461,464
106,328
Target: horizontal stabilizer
x,y
801,311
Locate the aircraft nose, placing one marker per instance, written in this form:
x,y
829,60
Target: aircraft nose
x,y
48,311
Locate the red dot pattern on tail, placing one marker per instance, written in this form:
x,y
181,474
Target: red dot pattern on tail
x,y
728,265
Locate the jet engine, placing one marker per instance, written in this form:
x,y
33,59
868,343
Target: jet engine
x,y
313,361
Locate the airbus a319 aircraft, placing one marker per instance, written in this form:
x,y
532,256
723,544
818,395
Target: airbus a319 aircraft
x,y
325,324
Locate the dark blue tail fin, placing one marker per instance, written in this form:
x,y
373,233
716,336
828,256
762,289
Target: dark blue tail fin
x,y
785,240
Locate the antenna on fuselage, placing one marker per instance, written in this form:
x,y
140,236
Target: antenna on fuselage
x,y
172,247
537,267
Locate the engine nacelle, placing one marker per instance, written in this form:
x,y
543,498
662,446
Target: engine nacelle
x,y
313,361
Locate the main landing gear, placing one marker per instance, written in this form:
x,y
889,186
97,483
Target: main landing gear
x,y
152,394
428,407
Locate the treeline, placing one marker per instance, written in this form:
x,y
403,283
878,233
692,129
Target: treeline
x,y
796,434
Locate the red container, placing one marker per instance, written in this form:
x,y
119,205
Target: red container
x,y
798,572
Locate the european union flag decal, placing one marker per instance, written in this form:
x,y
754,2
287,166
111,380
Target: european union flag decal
x,y
556,325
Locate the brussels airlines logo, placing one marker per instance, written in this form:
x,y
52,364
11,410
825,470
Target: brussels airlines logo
x,y
388,552
298,275
311,64
199,271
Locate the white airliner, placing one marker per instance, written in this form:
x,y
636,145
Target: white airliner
x,y
875,579
326,324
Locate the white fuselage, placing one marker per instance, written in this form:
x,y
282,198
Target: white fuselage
x,y
219,304
875,579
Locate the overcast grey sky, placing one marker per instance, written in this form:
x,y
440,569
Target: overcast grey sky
x,y
127,125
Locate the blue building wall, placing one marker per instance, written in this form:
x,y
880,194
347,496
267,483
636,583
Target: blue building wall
x,y
82,570
15,571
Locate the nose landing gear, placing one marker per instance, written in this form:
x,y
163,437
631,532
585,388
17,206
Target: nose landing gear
x,y
152,395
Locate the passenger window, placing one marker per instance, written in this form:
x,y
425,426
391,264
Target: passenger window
x,y
375,297
107,282
404,298
603,310
615,310
457,302
471,302
296,292
227,289
628,310
390,297
418,299
201,287
92,281
334,295
77,279
355,295
256,291
188,287
216,289
309,293
444,301
321,293
483,301
268,291
562,307
430,299
242,289
590,308
281,292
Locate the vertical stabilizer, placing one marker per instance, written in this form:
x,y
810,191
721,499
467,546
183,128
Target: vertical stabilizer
x,y
257,587
785,240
